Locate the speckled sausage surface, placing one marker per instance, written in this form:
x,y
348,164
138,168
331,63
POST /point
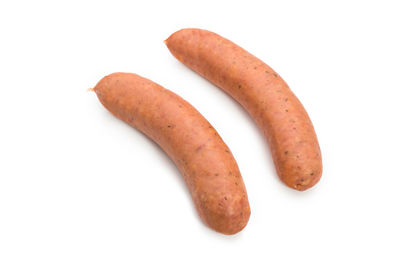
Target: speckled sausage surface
x,y
264,94
204,160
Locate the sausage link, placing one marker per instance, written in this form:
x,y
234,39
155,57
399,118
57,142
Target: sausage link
x,y
204,160
264,94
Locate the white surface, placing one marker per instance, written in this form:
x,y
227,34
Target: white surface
x,y
80,188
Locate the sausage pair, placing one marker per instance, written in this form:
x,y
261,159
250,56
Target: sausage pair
x,y
206,163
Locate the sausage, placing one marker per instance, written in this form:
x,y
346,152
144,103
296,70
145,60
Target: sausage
x,y
204,160
264,94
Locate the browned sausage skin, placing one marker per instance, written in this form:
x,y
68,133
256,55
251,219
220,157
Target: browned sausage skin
x,y
264,94
204,160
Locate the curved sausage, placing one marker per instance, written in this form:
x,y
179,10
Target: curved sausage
x,y
204,160
264,94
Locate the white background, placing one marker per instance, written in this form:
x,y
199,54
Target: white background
x,y
80,188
